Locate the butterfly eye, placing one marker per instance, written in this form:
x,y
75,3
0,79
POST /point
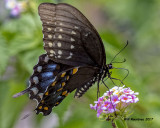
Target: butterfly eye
x,y
110,66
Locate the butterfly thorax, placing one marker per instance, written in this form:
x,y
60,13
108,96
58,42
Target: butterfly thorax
x,y
104,72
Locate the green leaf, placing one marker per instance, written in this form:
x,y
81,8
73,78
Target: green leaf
x,y
10,107
4,55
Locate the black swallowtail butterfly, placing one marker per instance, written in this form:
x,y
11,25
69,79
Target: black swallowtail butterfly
x,y
75,57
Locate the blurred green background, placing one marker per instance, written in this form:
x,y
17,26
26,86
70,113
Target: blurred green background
x,y
117,21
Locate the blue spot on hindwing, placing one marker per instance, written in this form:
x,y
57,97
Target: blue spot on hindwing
x,y
46,83
47,75
51,67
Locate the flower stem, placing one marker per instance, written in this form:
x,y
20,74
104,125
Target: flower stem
x,y
113,124
120,123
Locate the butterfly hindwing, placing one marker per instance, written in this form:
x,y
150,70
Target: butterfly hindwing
x,y
51,82
69,38
44,74
64,84
54,94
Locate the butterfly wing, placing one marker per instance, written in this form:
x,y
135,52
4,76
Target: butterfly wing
x,y
45,73
69,38
51,82
75,54
65,83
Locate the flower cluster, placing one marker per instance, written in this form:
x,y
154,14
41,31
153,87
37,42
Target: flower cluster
x,y
116,100
15,7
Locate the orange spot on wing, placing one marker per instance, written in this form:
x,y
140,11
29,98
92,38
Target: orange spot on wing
x,y
57,103
74,71
46,93
63,74
67,78
59,89
46,108
40,107
63,83
64,93
67,94
53,84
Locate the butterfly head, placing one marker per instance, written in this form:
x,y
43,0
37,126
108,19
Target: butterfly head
x,y
109,66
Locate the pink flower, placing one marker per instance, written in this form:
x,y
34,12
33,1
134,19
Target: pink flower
x,y
128,91
112,108
93,107
99,111
134,99
15,11
114,101
108,93
15,7
126,99
106,105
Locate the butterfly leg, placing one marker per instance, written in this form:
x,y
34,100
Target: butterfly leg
x,y
125,70
110,97
111,78
98,92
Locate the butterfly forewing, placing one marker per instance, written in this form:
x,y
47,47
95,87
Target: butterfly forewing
x,y
69,38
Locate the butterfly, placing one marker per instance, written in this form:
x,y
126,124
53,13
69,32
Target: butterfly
x,y
75,57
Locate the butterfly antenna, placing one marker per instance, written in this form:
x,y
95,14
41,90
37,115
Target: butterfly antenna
x,y
120,61
119,53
